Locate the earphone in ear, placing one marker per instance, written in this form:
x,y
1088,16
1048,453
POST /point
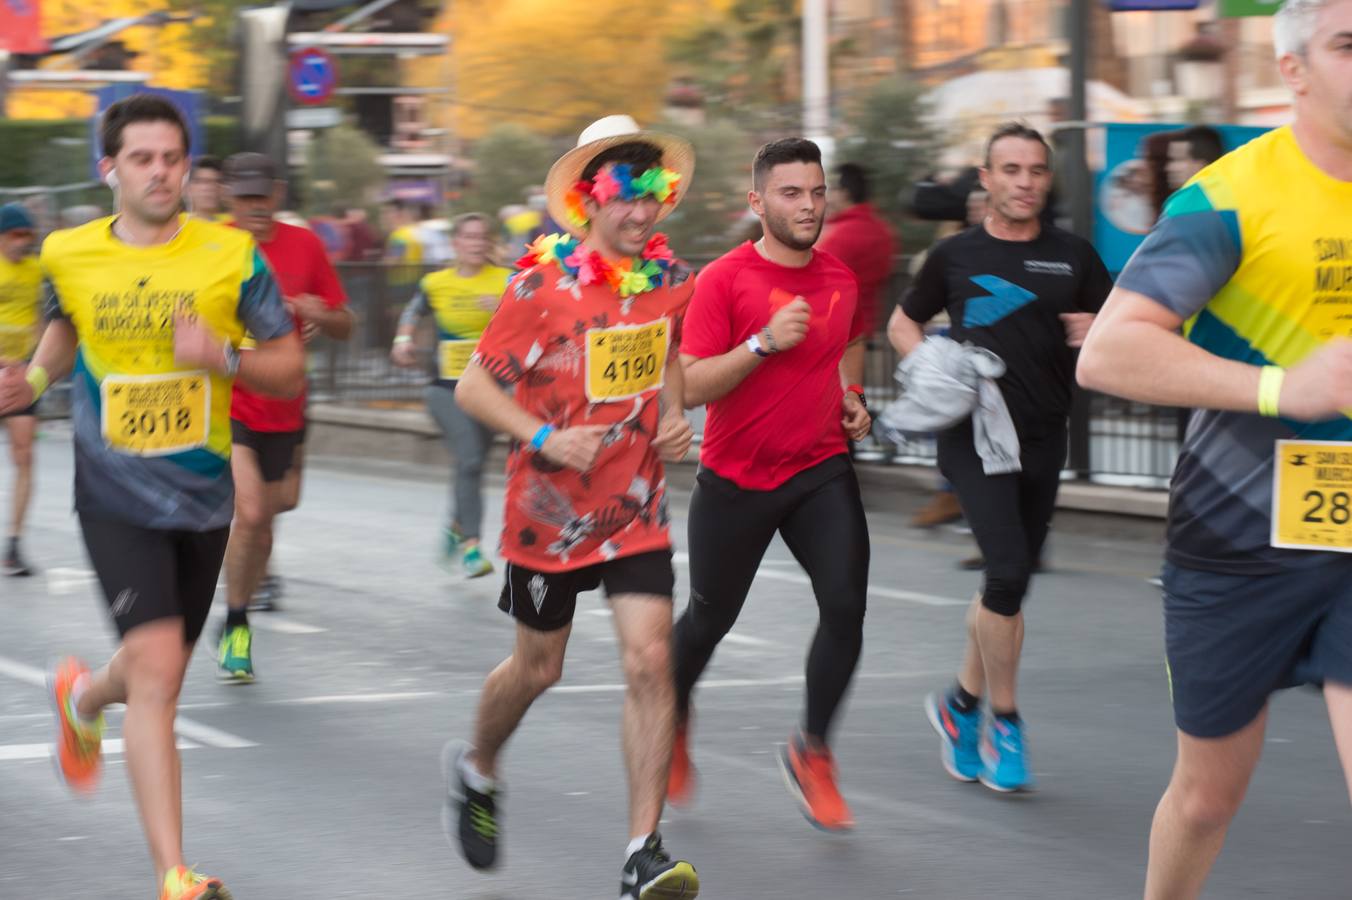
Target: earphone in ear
x,y
186,178
111,179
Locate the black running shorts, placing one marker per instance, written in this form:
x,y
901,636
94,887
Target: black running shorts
x,y
545,601
1234,639
149,574
276,450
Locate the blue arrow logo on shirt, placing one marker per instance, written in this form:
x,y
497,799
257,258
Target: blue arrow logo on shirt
x,y
1003,299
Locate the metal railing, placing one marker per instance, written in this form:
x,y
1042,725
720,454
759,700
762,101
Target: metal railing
x,y
1113,441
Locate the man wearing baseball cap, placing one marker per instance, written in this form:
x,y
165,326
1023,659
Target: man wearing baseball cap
x,y
588,333
20,328
268,434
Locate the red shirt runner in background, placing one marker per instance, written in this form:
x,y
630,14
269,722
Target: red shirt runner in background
x,y
858,237
785,417
301,266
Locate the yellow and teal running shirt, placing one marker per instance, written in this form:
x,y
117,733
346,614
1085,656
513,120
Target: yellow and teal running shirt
x,y
152,439
1256,252
462,307
20,308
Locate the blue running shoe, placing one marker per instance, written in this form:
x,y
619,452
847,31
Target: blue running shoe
x,y
1004,757
959,734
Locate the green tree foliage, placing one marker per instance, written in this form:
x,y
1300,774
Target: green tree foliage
x,y
888,134
508,160
341,169
703,226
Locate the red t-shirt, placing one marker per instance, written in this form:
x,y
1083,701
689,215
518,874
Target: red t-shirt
x,y
859,238
584,356
301,266
785,417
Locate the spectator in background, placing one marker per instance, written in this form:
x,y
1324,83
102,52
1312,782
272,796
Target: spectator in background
x,y
857,236
363,244
403,247
204,190
332,233
519,222
1190,151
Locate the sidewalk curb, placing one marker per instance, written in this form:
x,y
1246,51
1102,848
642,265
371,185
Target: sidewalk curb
x,y
410,435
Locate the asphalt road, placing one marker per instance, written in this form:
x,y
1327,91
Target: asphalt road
x,y
321,780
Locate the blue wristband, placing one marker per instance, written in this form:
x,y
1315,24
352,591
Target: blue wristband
x,y
537,443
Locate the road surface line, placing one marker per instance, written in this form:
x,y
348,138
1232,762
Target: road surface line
x,y
111,747
203,734
283,626
889,593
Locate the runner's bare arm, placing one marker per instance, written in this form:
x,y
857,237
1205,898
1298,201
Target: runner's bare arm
x,y
1134,350
479,394
55,353
904,332
714,377
332,322
852,365
275,368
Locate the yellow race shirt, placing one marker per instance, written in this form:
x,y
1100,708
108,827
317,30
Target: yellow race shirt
x,y
405,247
152,439
1255,253
462,307
20,308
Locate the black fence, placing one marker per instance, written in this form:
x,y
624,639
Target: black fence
x,y
1112,441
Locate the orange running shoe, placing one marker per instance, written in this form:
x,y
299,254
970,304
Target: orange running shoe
x,y
182,883
810,776
682,778
79,744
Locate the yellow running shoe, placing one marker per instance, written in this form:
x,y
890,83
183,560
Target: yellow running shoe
x,y
182,883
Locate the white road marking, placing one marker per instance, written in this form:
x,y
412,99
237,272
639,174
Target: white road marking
x,y
67,580
746,641
111,747
271,622
203,734
889,593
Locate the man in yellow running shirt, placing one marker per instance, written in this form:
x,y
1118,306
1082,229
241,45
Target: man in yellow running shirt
x,y
149,308
20,327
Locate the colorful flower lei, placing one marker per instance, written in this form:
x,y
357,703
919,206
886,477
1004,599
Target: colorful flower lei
x,y
618,180
585,266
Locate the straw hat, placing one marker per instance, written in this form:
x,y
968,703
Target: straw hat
x,y
677,155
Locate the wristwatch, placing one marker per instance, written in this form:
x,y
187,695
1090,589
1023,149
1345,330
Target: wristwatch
x,y
753,344
859,391
231,360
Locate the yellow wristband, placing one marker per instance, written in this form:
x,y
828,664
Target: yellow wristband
x,y
37,380
1270,391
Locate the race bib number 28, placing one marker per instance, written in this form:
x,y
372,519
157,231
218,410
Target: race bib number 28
x,y
1312,496
155,415
627,360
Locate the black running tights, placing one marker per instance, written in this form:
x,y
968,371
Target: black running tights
x,y
820,515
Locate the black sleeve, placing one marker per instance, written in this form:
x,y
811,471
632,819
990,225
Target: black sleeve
x,y
51,304
928,294
1096,282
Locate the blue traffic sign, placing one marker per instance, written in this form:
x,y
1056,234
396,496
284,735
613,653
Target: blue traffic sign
x,y
313,76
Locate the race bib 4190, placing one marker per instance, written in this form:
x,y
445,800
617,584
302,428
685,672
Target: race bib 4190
x,y
626,361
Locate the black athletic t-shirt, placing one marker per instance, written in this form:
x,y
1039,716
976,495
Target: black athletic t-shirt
x,y
1007,296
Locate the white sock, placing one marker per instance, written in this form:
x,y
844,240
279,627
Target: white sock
x,y
76,692
635,845
472,777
